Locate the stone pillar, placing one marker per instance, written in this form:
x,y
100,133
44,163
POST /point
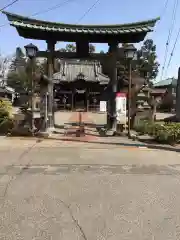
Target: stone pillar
x,y
113,50
50,61
43,109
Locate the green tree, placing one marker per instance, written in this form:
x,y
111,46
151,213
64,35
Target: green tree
x,y
20,80
20,71
18,60
147,59
144,70
149,68
69,48
72,48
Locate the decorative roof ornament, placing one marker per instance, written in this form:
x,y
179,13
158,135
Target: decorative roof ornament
x,y
81,76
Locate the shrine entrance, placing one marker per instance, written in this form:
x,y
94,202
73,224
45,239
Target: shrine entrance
x,y
80,90
80,100
74,99
84,93
83,35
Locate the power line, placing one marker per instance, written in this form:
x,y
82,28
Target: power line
x,y
161,17
164,9
45,10
86,12
8,5
52,8
172,53
170,35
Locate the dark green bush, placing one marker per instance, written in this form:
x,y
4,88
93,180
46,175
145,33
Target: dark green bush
x,y
164,133
6,123
3,114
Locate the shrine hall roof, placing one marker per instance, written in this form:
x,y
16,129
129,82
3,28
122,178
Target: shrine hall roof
x,y
73,70
25,23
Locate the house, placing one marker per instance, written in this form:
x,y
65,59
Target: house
x,y
168,86
169,83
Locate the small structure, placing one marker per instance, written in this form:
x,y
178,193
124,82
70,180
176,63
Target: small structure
x,y
169,84
6,92
166,89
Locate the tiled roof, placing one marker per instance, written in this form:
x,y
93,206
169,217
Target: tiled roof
x,y
166,82
25,22
72,69
158,91
5,90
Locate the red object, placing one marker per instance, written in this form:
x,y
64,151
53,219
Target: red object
x,y
121,94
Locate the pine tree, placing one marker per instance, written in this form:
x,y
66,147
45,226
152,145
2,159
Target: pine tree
x,y
18,61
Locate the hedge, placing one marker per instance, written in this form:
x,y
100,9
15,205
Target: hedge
x,y
6,121
163,133
6,105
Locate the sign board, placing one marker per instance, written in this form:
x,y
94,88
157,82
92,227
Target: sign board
x,y
103,106
121,112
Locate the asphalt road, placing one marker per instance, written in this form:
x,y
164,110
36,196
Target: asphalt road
x,y
61,190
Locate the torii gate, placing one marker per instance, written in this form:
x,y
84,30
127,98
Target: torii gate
x,y
53,32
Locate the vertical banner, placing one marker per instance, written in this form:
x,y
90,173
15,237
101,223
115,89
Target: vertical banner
x,y
121,112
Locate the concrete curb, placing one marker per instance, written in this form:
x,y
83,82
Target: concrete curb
x,y
125,144
121,143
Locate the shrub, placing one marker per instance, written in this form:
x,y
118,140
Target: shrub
x,y
3,114
6,105
164,133
6,125
6,122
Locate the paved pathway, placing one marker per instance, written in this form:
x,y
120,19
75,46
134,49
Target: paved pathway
x,y
61,190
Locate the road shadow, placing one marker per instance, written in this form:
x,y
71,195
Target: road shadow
x,y
124,144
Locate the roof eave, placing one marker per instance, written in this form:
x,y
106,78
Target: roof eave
x,y
15,17
42,30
